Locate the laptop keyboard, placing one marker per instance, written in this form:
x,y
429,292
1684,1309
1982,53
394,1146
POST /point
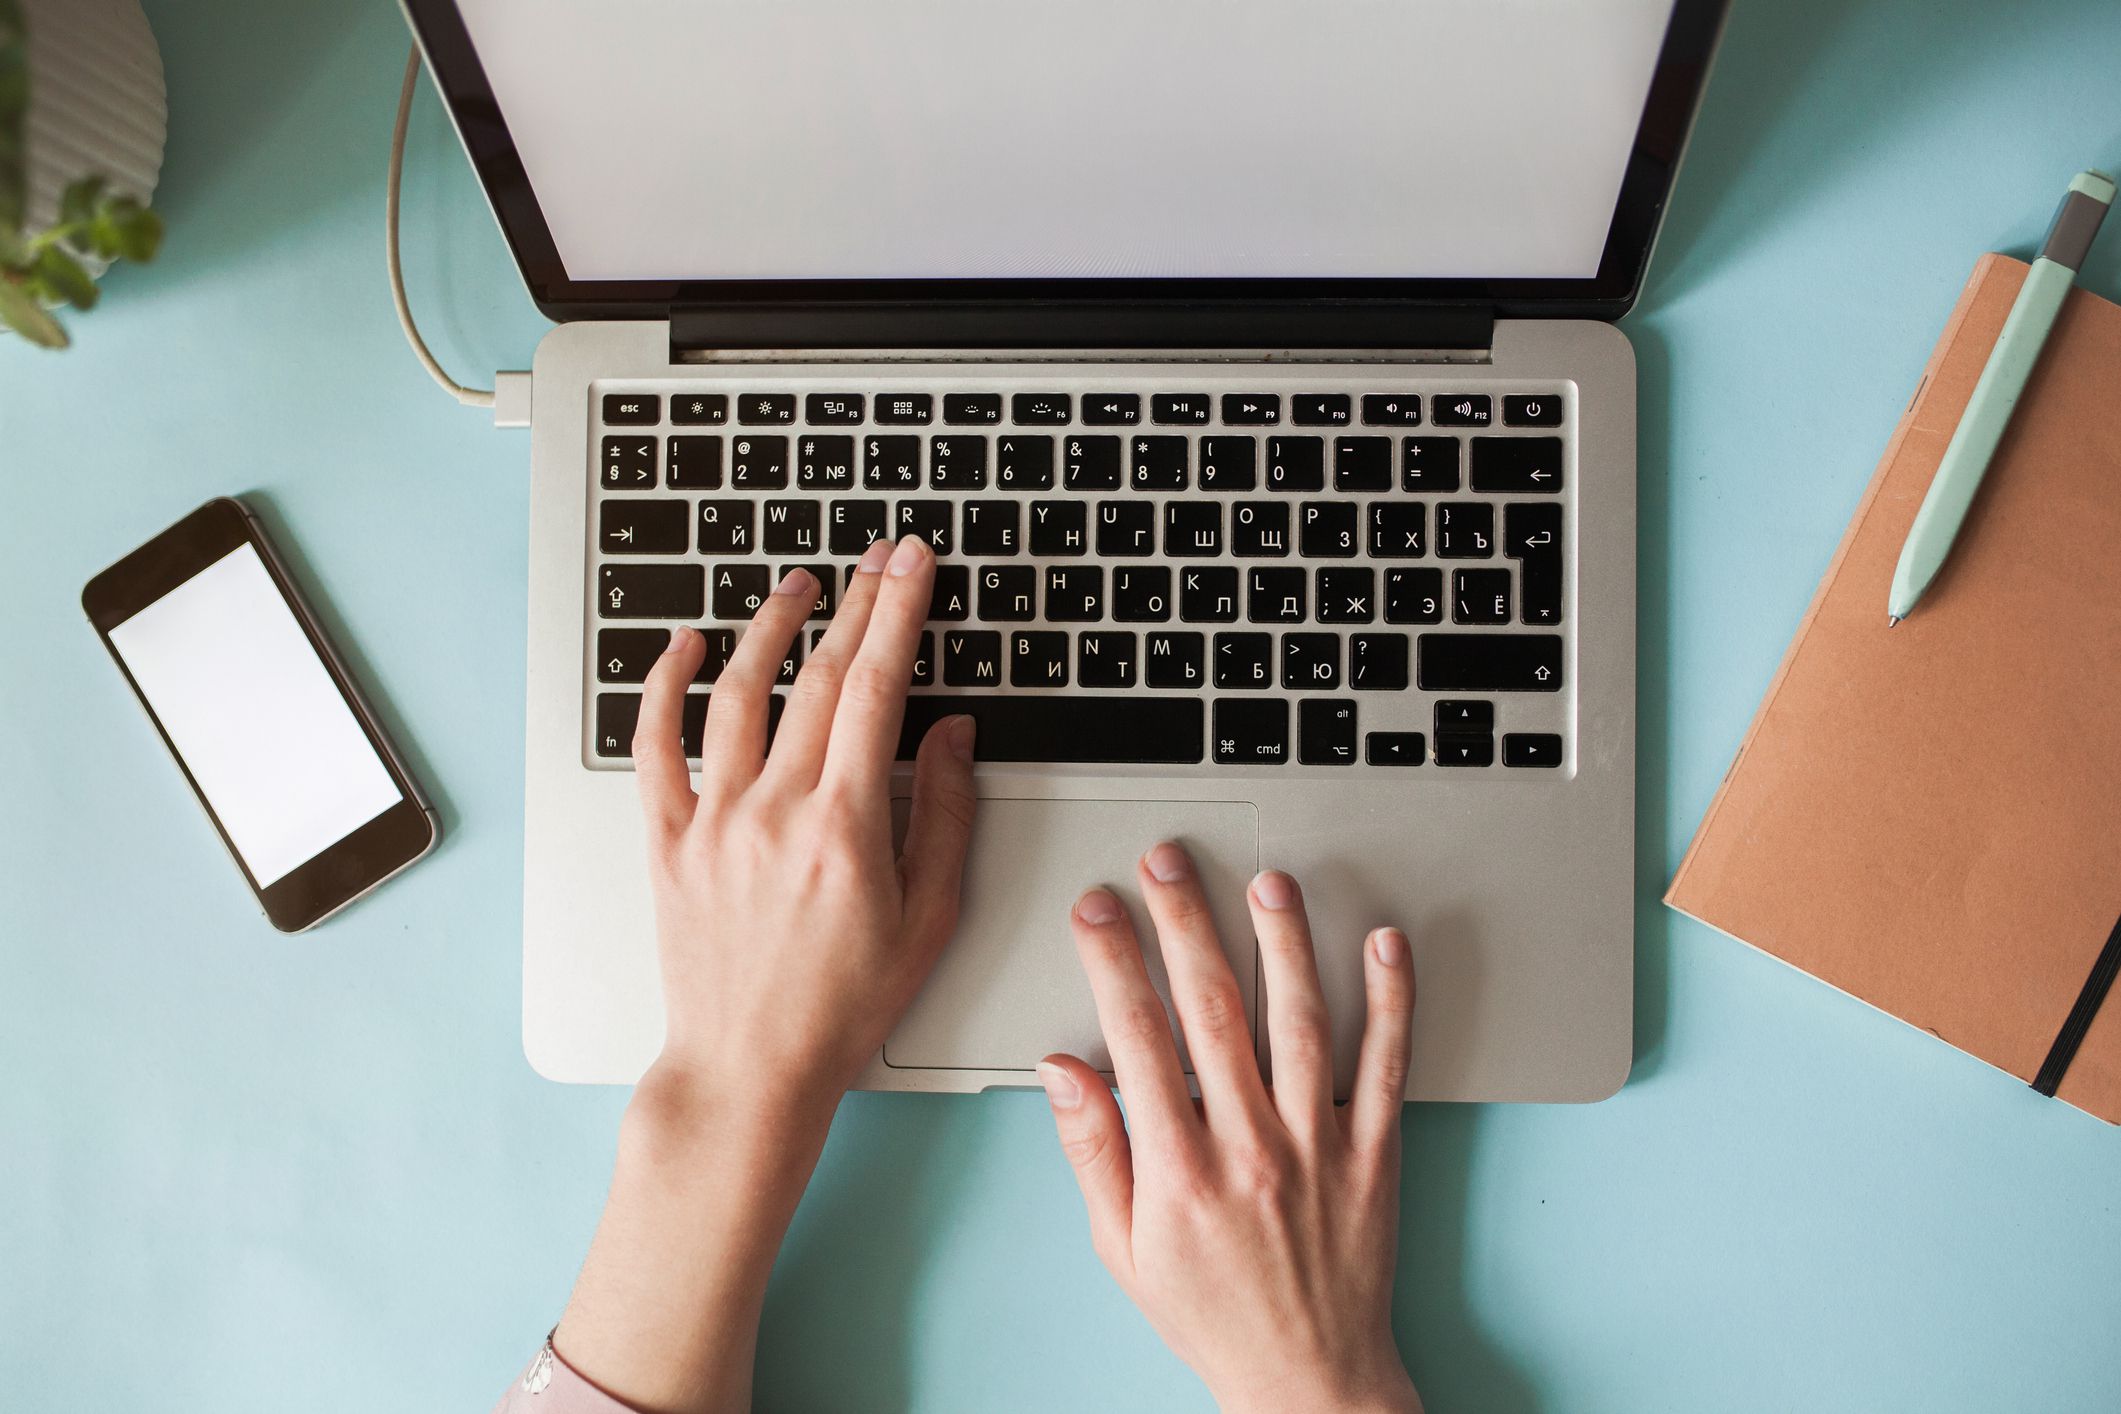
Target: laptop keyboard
x,y
1207,578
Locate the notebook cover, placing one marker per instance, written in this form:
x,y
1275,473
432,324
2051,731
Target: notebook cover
x,y
1929,816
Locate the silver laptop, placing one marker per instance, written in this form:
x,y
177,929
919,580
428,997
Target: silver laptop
x,y
1250,368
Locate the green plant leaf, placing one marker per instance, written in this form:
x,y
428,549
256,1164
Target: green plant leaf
x,y
78,203
20,311
64,277
14,115
122,227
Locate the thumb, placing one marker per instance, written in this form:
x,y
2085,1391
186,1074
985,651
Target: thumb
x,y
1094,1138
939,829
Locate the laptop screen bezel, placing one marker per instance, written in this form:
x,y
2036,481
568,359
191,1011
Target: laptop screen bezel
x,y
1660,137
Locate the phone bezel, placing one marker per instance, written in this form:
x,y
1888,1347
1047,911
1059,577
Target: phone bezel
x,y
352,866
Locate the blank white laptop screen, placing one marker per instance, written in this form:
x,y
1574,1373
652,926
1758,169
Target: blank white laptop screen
x,y
255,716
885,139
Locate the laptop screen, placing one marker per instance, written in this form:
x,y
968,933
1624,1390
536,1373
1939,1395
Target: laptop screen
x,y
683,140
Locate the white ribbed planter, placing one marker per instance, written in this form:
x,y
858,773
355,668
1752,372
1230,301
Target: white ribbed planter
x,y
96,101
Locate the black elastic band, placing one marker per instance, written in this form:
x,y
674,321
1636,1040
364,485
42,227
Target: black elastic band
x,y
2080,1016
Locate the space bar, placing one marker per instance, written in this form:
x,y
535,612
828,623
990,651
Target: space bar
x,y
1143,729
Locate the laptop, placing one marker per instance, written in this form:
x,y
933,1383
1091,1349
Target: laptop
x,y
1251,369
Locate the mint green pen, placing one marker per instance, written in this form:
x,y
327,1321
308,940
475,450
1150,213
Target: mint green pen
x,y
2002,381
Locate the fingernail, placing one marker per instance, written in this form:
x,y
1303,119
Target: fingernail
x,y
1061,1090
908,555
963,731
1274,889
1390,945
1169,863
1097,906
796,581
677,637
872,560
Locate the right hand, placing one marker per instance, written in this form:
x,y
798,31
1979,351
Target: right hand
x,y
1258,1232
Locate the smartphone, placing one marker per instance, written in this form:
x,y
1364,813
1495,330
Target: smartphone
x,y
261,715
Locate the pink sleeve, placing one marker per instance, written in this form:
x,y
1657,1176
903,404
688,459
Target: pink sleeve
x,y
549,1385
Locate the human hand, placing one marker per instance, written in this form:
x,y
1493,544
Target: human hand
x,y
1257,1230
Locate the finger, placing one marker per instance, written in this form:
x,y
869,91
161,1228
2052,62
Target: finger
x,y
1137,1029
659,768
1299,1037
1203,990
1094,1138
1387,1041
873,698
734,750
939,830
799,746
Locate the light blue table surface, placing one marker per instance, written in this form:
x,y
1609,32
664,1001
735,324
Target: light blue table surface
x,y
245,1172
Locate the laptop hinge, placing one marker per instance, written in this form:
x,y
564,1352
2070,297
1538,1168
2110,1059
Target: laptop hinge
x,y
989,328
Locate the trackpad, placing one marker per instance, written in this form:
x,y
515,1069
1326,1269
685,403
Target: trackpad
x,y
1009,990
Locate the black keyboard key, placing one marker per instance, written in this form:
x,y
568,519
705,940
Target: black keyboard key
x,y
651,591
1091,464
758,464
852,526
833,409
1296,463
1193,529
891,463
1024,464
1362,464
1530,410
1347,595
792,527
958,463
1179,409
1325,731
924,661
1531,534
1259,529
1396,530
930,520
1517,465
950,602
1008,593
1208,595
1474,717
1310,662
972,409
629,464
1391,410
1531,749
971,658
695,463
1394,749
1126,528
1461,410
1275,596
618,713
740,589
1244,661
1173,660
1068,727
1251,732
1159,464
828,592
1326,530
1251,409
1490,662
1075,594
1060,527
1039,659
1320,409
823,463
1465,530
791,665
1480,596
700,409
1428,463
1040,409
632,409
904,409
726,527
644,527
1111,409
626,654
1105,659
1141,594
1413,596
1465,751
1377,662
1229,464
991,527
765,409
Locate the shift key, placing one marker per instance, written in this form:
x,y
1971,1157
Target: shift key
x,y
1489,662
651,591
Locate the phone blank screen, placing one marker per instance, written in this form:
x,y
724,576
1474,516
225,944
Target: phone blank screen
x,y
255,715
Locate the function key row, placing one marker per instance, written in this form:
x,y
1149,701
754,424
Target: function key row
x,y
1097,410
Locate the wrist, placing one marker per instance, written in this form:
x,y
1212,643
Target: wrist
x,y
680,1110
1386,1390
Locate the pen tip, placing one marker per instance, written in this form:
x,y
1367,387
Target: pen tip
x,y
1892,620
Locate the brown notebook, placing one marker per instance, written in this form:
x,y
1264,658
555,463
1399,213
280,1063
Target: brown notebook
x,y
1929,816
